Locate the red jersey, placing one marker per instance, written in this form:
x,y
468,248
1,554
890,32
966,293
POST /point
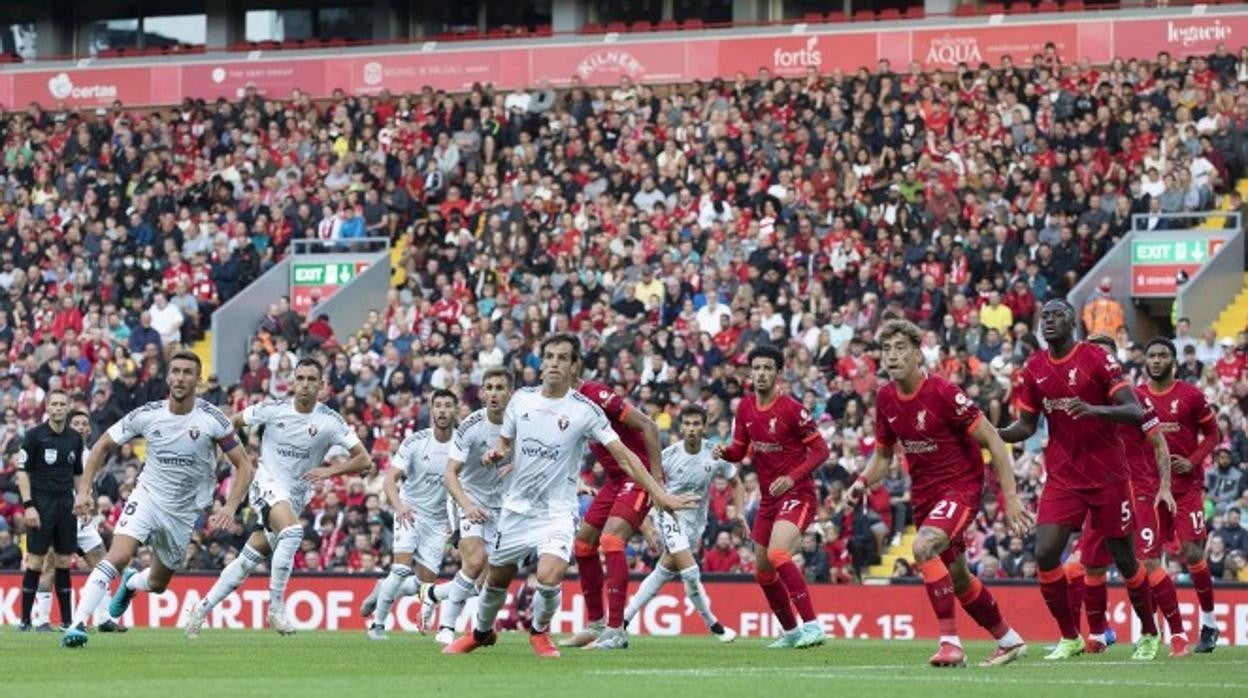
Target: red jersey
x,y
615,407
779,434
1081,453
1182,411
1141,462
933,427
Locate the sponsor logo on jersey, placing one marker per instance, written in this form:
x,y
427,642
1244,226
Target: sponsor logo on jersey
x,y
175,459
767,446
1061,404
293,452
918,446
533,448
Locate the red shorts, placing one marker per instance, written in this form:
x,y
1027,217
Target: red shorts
x,y
951,516
1092,550
621,498
1187,523
1109,508
797,508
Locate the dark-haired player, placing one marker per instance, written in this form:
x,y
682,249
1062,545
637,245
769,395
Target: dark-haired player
x,y
1080,391
942,434
546,429
298,433
616,512
1087,565
785,448
175,485
1191,431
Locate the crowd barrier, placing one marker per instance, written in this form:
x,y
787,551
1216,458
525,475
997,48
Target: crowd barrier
x,y
888,612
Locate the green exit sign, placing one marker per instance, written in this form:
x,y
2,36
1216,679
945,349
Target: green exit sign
x,y
1173,251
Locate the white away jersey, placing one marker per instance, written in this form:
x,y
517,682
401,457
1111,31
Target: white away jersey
x,y
691,473
179,469
549,440
294,443
423,461
472,439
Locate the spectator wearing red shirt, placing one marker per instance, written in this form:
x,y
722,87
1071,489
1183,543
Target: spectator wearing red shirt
x,y
721,557
1231,366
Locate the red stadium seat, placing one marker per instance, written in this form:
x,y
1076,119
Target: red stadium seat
x,y
890,13
617,27
692,23
914,12
1073,6
813,18
965,11
593,28
641,26
667,25
543,30
1048,7
1021,8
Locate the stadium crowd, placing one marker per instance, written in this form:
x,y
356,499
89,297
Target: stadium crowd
x,y
672,227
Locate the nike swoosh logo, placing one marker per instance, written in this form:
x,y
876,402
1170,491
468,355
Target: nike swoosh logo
x,y
1041,380
891,420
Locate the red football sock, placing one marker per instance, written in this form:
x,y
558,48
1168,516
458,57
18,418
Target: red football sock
x,y
589,570
794,583
1076,589
940,593
1167,599
777,598
1097,601
1203,581
1055,589
617,578
1142,601
980,605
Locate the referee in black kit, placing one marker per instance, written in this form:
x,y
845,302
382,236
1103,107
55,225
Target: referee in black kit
x,y
49,466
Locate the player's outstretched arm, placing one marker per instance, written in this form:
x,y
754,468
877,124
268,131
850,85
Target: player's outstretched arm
x,y
881,458
633,467
1017,518
1021,429
95,461
738,501
637,420
1161,452
455,488
357,461
244,471
734,452
498,453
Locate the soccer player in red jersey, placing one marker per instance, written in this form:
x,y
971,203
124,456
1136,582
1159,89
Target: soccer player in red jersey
x,y
941,432
1086,567
618,509
786,450
1191,432
1078,389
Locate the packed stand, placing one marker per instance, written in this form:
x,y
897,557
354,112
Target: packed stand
x,y
673,228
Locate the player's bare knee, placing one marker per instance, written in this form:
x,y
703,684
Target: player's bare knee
x,y
1193,554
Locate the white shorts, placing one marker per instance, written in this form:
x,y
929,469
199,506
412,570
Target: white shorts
x,y
425,542
166,532
679,530
487,531
89,536
267,491
518,536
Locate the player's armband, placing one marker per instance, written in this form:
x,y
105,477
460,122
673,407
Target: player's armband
x,y
228,443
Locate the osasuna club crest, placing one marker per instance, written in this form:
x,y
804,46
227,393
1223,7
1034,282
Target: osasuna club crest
x,y
194,432
312,430
563,422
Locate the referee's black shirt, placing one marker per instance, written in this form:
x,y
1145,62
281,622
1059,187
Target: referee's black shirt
x,y
51,460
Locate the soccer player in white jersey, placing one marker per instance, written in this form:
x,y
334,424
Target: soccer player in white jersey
x,y
550,428
175,485
689,468
90,544
478,492
298,433
421,520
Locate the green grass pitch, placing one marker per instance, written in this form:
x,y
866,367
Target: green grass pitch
x,y
344,664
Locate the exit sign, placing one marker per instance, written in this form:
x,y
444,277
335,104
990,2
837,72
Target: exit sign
x,y
1173,251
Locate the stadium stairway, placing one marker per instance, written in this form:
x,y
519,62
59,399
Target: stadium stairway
x,y
1234,317
884,570
203,349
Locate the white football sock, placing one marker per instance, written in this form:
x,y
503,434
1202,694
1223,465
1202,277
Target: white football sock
x,y
696,593
1010,639
387,590
1207,620
649,587
101,615
488,605
94,591
288,541
138,582
42,612
453,597
546,603
232,577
